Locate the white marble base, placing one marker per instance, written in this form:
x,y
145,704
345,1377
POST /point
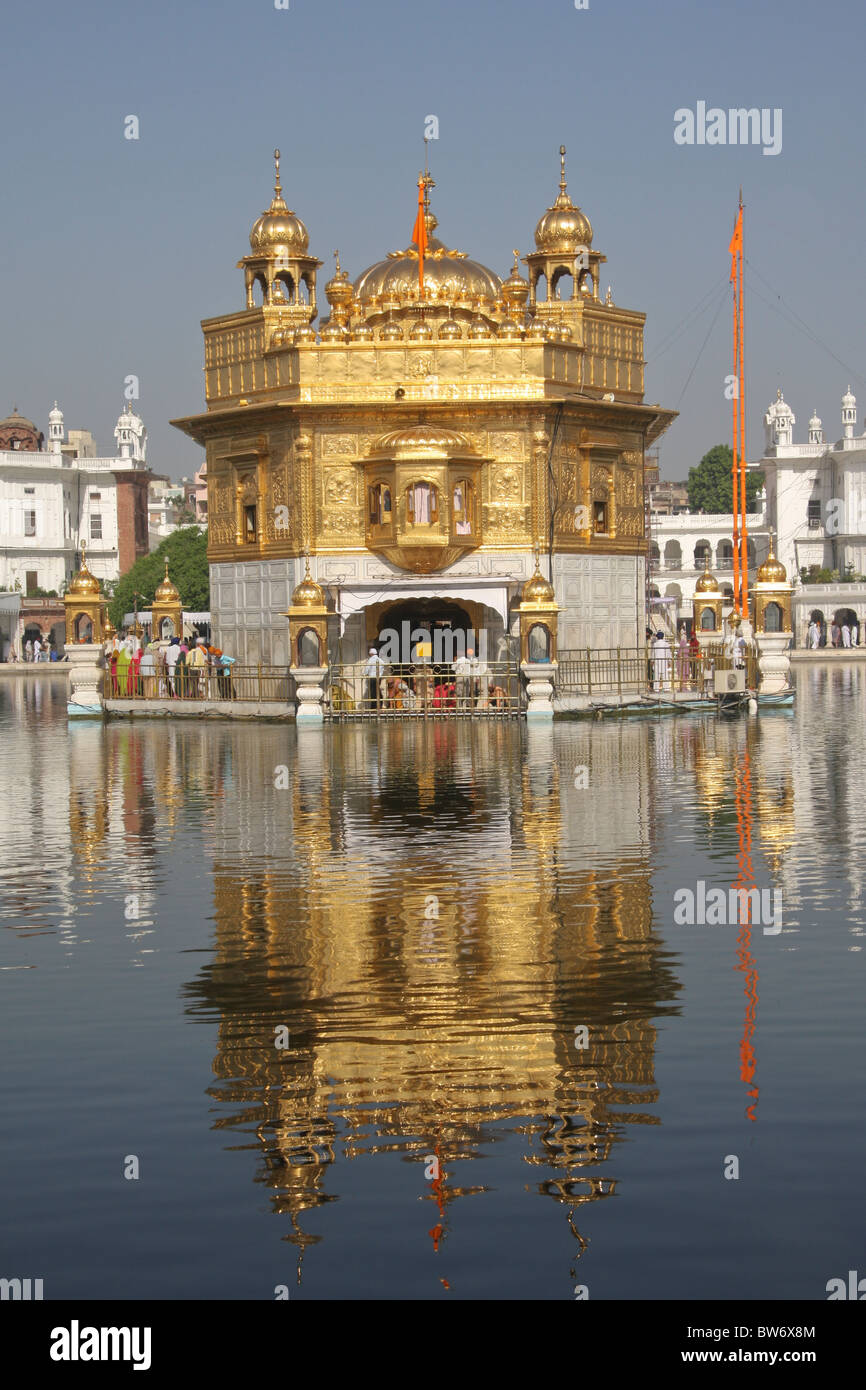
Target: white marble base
x,y
86,663
539,689
774,662
310,682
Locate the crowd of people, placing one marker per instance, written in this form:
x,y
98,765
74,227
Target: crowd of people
x,y
39,648
181,668
842,634
465,684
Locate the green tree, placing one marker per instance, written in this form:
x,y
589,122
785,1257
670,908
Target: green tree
x,y
711,484
186,550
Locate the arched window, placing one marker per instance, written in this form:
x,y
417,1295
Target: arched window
x,y
724,555
380,504
83,628
703,553
461,503
250,524
283,291
422,504
309,647
772,618
539,643
673,555
259,289
708,620
599,518
562,284
166,629
541,289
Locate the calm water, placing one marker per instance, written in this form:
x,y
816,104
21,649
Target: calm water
x,y
431,914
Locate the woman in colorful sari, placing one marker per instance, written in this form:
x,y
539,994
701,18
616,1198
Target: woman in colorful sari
x,y
121,672
112,674
133,679
683,659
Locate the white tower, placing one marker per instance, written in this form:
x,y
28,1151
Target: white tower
x,y
131,435
816,429
849,414
779,423
55,429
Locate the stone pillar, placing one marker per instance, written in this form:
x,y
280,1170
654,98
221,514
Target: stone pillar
x,y
310,681
539,688
87,663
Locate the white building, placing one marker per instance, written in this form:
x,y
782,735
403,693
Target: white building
x,y
53,499
680,545
816,491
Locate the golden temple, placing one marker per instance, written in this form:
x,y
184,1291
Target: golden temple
x,y
440,425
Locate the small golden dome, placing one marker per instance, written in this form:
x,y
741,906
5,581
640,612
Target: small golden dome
x,y
450,330
537,589
391,333
279,229
84,584
479,329
421,332
515,290
565,333
422,439
563,227
772,571
363,333
306,334
510,330
308,593
707,584
333,333
338,291
108,628
166,591
539,329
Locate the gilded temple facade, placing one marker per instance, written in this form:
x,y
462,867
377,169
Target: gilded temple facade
x,y
439,428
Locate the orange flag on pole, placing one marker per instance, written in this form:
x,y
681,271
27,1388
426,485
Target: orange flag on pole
x,y
419,234
736,244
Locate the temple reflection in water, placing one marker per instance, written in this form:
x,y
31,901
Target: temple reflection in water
x,y
411,910
431,912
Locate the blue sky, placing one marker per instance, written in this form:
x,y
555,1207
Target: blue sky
x,y
114,250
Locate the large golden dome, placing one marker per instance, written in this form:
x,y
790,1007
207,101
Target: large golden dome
x,y
563,227
279,229
449,276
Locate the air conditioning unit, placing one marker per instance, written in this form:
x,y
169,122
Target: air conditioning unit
x,y
730,682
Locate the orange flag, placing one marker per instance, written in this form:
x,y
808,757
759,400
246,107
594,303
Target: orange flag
x,y
736,244
419,234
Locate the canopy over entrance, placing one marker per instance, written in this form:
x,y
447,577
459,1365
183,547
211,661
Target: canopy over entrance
x,y
355,598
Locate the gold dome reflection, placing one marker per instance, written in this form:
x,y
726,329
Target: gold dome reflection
x,y
405,915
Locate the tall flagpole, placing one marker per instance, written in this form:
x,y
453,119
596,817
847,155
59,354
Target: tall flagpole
x,y
744,534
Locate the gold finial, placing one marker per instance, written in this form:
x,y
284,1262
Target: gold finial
x,y
166,566
562,168
83,554
278,188
515,268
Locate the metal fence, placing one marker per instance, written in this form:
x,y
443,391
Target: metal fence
x,y
257,684
490,690
636,670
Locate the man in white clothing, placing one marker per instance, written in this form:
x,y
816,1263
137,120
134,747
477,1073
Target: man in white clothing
x,y
373,671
